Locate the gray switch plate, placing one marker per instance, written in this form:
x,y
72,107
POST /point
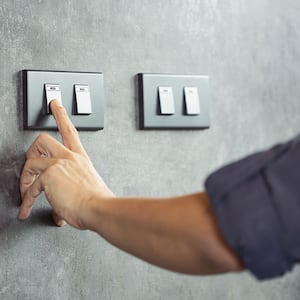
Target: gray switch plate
x,y
35,116
149,115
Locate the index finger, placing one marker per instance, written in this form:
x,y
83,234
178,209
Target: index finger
x,y
66,128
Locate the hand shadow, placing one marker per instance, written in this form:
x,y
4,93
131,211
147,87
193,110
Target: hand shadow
x,y
10,199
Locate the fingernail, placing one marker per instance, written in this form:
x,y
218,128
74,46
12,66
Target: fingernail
x,y
61,223
21,217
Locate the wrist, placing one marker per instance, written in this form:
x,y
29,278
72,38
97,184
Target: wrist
x,y
92,211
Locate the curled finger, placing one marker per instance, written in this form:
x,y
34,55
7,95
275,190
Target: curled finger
x,y
29,198
46,146
31,171
59,221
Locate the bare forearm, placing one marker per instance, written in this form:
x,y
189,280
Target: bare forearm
x,y
179,233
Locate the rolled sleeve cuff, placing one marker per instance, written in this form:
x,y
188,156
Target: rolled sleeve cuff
x,y
242,199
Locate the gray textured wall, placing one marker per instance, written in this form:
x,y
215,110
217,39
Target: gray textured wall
x,y
251,50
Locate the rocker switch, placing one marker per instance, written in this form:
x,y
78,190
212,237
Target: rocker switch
x,y
83,99
192,101
53,92
166,100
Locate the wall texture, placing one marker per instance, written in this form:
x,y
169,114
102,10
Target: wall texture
x,y
251,50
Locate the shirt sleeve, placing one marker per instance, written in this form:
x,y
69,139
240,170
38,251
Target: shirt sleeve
x,y
257,204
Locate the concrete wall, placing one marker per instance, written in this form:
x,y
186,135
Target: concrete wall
x,y
251,50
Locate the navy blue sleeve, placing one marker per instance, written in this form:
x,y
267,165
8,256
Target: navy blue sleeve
x,y
257,204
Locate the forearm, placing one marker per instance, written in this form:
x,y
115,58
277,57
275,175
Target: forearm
x,y
179,233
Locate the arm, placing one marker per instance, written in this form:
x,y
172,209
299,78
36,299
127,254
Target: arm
x,y
179,233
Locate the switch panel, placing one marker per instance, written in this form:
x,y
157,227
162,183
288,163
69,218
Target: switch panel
x,y
81,94
83,99
166,100
53,92
191,98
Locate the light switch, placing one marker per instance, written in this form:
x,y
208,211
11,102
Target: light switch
x,y
149,115
192,100
53,91
166,100
83,99
37,92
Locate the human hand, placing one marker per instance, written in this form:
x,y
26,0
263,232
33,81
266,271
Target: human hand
x,y
64,172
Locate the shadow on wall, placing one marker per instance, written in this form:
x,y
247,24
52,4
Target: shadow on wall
x,y
9,186
18,79
11,164
10,199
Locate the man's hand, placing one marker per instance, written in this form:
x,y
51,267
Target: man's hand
x,y
64,172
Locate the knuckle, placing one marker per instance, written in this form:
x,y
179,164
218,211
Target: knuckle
x,y
79,158
61,163
70,156
42,137
27,166
54,169
31,152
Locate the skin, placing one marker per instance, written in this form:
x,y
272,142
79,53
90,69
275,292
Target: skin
x,y
178,233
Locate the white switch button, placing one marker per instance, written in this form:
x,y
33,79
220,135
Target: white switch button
x,y
83,99
53,92
192,100
166,100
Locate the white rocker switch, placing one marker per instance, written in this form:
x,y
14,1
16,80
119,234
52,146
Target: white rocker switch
x,y
192,101
166,100
83,99
53,92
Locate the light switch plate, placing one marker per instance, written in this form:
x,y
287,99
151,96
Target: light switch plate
x,y
35,104
149,115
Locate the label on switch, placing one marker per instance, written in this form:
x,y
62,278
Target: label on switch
x,y
192,100
166,100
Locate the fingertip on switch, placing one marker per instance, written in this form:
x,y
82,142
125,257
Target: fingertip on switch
x,y
53,92
41,88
